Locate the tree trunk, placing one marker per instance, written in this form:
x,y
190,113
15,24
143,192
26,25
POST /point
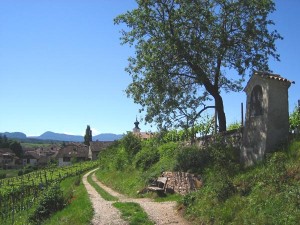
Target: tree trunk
x,y
221,113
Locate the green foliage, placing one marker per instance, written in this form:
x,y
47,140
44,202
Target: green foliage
x,y
234,126
147,157
88,135
13,145
127,181
184,48
51,201
133,213
192,159
295,119
267,193
132,144
79,210
167,156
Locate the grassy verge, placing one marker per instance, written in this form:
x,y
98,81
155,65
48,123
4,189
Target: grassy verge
x,y
127,182
133,213
79,211
267,193
100,190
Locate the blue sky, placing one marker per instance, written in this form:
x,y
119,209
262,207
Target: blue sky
x,y
62,66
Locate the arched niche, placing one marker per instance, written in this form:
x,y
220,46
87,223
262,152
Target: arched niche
x,y
256,100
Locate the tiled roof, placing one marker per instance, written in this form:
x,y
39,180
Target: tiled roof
x,y
273,76
73,150
31,155
5,150
97,146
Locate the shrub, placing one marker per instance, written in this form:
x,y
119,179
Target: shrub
x,y
120,160
294,120
192,159
221,184
223,154
20,172
147,157
233,126
51,201
132,144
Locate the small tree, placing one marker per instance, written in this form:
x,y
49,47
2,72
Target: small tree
x,y
16,148
88,135
295,120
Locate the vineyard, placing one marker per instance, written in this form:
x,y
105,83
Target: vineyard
x,y
19,194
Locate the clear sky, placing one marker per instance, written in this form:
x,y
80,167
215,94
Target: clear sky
x,y
62,66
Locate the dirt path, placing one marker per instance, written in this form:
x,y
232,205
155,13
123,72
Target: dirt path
x,y
161,213
104,212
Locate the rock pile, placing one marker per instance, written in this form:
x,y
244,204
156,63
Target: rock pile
x,y
181,182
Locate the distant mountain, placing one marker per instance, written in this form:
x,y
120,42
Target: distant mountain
x,y
77,138
49,135
14,135
59,137
107,137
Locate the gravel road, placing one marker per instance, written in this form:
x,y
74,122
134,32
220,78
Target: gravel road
x,y
104,213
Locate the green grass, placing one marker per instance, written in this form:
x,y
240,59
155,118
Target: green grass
x,y
100,190
35,145
127,182
268,193
9,172
79,211
133,213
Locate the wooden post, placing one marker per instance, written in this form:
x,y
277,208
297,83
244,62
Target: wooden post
x,y
216,123
242,114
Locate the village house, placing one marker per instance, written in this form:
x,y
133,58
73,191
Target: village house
x,y
72,152
30,158
8,159
96,147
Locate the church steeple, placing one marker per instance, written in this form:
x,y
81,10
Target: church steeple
x,y
136,129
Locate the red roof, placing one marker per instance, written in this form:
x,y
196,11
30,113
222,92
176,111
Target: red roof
x,y
273,76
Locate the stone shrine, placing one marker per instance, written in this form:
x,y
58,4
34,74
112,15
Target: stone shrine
x,y
267,116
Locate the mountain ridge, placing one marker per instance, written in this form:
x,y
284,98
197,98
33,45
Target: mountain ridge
x,y
49,135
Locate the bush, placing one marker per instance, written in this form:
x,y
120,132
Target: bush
x,y
223,154
147,157
220,183
294,120
51,201
120,160
20,172
192,159
132,144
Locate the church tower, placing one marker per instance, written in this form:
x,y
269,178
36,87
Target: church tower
x,y
136,129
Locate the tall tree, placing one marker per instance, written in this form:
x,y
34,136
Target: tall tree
x,y
187,51
88,135
16,148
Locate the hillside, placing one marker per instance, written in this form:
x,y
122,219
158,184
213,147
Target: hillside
x,y
267,193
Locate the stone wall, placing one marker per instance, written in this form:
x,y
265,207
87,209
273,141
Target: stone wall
x,y
181,182
232,138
